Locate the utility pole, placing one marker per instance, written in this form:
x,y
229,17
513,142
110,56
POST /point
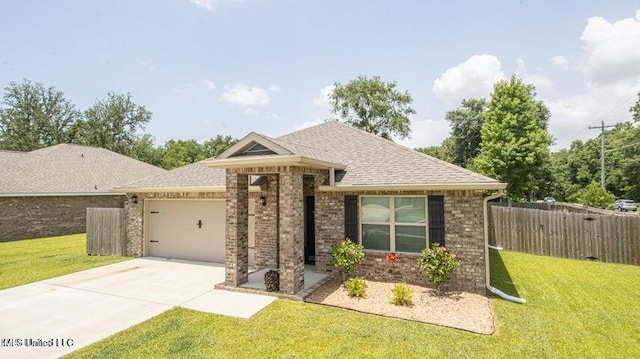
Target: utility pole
x,y
601,128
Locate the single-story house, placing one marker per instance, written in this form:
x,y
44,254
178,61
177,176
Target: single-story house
x,y
46,192
283,202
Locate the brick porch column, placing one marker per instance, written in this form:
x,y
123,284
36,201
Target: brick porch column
x,y
236,258
291,231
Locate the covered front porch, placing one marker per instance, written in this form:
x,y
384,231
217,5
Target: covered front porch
x,y
285,214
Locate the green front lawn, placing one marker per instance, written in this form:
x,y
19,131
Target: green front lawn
x,y
31,260
575,309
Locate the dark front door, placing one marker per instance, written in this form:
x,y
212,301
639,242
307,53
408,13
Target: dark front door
x,y
309,230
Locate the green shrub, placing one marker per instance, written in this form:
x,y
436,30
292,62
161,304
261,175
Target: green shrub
x,y
402,295
346,255
356,287
594,195
437,263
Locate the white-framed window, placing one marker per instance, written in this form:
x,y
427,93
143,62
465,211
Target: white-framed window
x,y
394,223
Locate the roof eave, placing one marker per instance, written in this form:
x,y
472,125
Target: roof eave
x,y
177,189
414,187
59,194
258,161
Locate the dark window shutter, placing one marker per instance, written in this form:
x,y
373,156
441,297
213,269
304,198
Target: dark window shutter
x,y
351,218
436,220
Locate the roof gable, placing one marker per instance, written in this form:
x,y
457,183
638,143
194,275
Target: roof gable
x,y
261,146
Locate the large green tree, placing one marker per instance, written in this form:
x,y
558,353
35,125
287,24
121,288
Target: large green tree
x,y
373,105
32,117
113,124
466,124
515,140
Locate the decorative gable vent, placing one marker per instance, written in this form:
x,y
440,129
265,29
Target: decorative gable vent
x,y
255,149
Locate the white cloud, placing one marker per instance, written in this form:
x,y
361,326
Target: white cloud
x,y
250,111
241,94
425,133
212,4
323,97
182,88
210,84
611,77
612,50
560,61
543,84
146,65
472,78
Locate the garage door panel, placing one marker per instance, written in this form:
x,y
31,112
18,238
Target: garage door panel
x,y
174,230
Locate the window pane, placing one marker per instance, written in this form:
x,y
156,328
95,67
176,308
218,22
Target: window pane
x,y
411,238
375,209
410,209
376,236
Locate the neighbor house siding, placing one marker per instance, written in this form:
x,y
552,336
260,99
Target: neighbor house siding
x,y
46,216
463,222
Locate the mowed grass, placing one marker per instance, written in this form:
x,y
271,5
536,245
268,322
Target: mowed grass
x,y
31,260
575,309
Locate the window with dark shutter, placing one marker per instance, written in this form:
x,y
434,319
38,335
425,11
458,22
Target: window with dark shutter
x,y
351,218
436,220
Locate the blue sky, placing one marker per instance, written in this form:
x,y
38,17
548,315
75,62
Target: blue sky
x,y
208,67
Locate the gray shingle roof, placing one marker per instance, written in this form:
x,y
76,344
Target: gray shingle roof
x,y
194,175
369,160
372,160
68,169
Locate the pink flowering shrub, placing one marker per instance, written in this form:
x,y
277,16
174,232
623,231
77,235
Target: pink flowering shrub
x,y
346,256
437,263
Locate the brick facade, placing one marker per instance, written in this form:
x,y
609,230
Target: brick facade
x,y
279,236
46,216
463,231
266,235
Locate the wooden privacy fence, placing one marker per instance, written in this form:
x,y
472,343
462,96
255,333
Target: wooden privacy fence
x,y
105,231
612,237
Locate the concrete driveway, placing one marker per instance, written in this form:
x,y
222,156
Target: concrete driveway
x,y
56,316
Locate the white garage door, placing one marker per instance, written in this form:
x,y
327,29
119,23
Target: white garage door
x,y
190,229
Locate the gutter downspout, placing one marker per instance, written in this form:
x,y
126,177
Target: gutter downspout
x,y
493,290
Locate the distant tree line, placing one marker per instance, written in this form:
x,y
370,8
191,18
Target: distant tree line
x,y
33,116
506,138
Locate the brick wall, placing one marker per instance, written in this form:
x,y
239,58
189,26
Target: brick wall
x,y
266,235
35,217
463,231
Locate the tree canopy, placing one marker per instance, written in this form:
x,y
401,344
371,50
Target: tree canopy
x,y
515,141
466,124
113,123
373,105
32,117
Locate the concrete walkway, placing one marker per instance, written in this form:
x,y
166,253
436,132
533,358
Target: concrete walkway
x,y
50,318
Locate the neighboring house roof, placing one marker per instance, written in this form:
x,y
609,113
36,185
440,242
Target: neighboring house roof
x,y
360,160
68,169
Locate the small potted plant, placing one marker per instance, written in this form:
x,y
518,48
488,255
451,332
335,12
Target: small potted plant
x,y
272,280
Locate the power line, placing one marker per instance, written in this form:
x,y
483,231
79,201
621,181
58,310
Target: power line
x,y
601,128
600,119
